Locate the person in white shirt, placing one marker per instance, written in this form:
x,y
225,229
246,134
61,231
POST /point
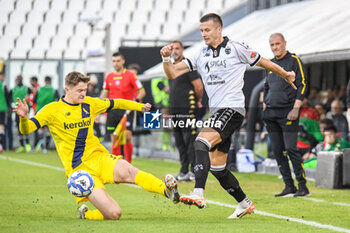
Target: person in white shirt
x,y
222,64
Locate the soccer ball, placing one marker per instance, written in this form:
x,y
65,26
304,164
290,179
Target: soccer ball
x,y
80,183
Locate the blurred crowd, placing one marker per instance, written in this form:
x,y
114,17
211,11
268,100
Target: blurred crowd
x,y
323,125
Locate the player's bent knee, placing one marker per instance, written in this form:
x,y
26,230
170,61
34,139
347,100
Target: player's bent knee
x,y
201,144
113,214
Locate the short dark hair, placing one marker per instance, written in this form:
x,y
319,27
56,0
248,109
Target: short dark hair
x,y
134,66
330,128
211,16
326,121
179,42
118,54
48,79
34,78
73,78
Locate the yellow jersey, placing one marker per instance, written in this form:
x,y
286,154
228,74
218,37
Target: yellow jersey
x,y
71,126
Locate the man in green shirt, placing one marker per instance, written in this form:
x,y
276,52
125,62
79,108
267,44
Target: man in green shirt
x,y
22,92
332,142
4,103
45,95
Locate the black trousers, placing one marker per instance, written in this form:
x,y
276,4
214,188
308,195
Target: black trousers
x,y
184,139
284,135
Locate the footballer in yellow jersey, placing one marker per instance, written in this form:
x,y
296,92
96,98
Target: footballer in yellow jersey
x,y
70,121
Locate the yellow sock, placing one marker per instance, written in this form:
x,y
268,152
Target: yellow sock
x,y
93,214
149,182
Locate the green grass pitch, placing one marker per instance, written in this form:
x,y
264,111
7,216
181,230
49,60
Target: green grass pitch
x,y
36,199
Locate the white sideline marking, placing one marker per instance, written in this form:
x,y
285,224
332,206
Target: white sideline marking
x,y
31,163
309,223
320,200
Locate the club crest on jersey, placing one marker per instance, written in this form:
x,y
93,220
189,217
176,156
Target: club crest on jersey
x,y
228,50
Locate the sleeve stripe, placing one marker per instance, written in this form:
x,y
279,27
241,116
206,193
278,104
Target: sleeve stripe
x,y
189,62
36,122
256,61
302,74
111,101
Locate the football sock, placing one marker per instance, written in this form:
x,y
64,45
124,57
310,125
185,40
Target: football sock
x,y
201,168
228,181
245,203
94,215
198,192
128,151
150,183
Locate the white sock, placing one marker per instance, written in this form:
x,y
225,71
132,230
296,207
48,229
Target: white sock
x,y
245,203
199,192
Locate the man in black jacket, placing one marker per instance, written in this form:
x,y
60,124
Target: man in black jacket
x,y
185,97
281,116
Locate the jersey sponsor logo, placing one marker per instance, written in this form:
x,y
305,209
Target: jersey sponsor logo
x,y
215,80
207,54
215,65
227,50
82,124
67,113
253,55
118,78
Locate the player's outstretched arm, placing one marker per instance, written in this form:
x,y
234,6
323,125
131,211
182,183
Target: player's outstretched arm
x,y
172,70
288,76
22,109
131,105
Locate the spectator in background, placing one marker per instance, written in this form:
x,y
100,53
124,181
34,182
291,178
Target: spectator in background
x,y
331,140
339,120
308,111
340,95
324,123
185,98
314,97
135,68
4,107
22,92
34,88
321,111
45,95
123,84
348,103
281,116
329,99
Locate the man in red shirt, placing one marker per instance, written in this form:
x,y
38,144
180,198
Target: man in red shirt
x,y
122,84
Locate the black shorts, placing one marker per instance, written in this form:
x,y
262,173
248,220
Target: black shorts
x,y
2,118
113,118
230,121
